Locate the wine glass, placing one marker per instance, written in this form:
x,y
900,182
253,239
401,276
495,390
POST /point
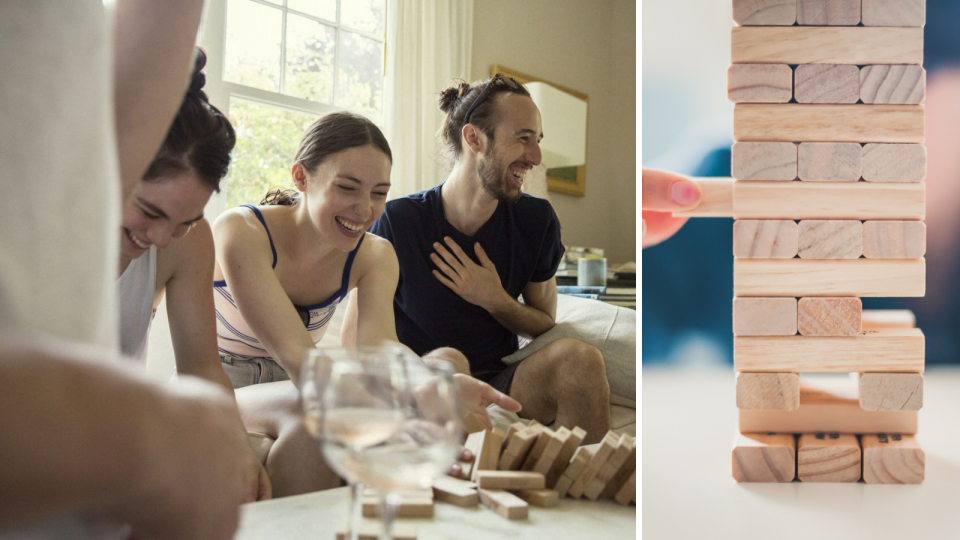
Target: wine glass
x,y
353,399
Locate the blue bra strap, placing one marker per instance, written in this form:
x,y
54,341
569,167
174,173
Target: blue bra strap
x,y
269,237
346,268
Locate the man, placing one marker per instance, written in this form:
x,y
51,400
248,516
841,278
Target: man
x,y
471,246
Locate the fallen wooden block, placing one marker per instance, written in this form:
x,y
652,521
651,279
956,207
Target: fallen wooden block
x,y
828,457
894,239
889,351
897,13
892,459
765,238
763,160
759,83
412,506
373,531
543,439
510,480
455,491
830,239
830,162
599,458
505,503
573,470
804,277
544,498
826,83
904,85
894,162
517,447
768,391
891,391
764,458
876,319
764,316
486,446
828,12
511,429
828,406
549,455
562,460
826,45
798,122
829,316
626,447
764,12
627,493
620,477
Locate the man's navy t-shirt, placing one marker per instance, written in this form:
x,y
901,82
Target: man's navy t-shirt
x,y
521,238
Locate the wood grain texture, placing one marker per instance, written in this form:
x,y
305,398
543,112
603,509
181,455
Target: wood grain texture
x,y
504,503
894,162
765,238
626,447
830,239
875,319
759,83
765,12
826,83
763,161
891,391
895,13
798,122
764,458
826,45
894,239
893,459
828,457
716,198
829,316
828,12
888,350
829,162
905,85
599,458
573,470
510,480
804,277
754,316
828,200
768,391
560,464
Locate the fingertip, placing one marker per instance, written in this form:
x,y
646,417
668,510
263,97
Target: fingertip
x,y
685,192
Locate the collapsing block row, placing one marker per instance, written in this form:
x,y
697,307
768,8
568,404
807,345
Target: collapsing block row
x,y
758,391
828,239
826,83
828,162
897,13
828,457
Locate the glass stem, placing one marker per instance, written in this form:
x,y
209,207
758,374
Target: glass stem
x,y
389,507
354,511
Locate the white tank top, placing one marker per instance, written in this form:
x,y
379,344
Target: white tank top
x,y
137,287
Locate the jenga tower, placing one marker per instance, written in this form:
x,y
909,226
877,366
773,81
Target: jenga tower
x,y
828,198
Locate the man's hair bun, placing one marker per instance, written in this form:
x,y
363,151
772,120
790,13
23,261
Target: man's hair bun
x,y
450,96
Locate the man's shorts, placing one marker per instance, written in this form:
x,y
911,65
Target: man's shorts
x,y
501,380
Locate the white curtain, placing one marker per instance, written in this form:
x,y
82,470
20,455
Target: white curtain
x,y
429,43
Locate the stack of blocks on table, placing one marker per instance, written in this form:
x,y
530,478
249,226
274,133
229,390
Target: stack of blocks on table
x,y
829,164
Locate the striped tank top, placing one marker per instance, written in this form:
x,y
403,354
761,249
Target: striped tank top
x,y
234,336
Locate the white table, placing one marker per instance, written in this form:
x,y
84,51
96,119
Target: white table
x,y
689,419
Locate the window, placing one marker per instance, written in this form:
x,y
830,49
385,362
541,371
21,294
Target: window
x,y
275,66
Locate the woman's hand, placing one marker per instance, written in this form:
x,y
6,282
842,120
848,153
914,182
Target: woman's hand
x,y
476,395
663,193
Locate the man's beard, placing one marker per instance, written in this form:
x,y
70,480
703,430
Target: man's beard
x,y
493,180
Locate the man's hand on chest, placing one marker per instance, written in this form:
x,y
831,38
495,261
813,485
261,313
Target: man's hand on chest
x,y
478,284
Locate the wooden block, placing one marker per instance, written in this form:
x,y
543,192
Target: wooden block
x,y
891,391
765,239
759,83
625,447
620,477
544,498
904,85
600,457
826,83
828,457
505,503
549,455
373,530
716,198
826,45
830,162
627,493
799,122
894,162
892,459
517,448
829,316
897,13
894,239
890,350
875,319
455,491
765,12
510,480
562,460
828,200
573,470
830,239
768,391
486,447
410,507
764,458
472,423
828,406
804,277
828,12
763,161
764,316
543,439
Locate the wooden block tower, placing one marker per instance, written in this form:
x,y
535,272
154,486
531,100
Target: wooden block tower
x,y
828,196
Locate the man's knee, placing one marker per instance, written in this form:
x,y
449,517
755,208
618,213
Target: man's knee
x,y
580,364
450,355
